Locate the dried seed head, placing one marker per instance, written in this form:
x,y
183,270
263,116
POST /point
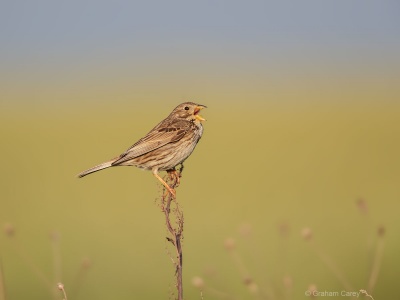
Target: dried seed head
x,y
247,280
253,288
381,231
245,230
306,233
86,263
60,286
283,229
229,244
288,282
312,289
54,236
9,230
362,206
198,282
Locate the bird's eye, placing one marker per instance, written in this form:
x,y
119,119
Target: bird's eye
x,y
186,107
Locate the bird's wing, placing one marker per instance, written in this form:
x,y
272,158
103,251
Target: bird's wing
x,y
156,138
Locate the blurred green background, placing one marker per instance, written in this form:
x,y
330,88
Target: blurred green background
x,y
302,131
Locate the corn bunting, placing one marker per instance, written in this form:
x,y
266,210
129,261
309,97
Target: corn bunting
x,y
165,146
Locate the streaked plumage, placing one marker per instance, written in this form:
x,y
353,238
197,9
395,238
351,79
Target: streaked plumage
x,y
165,146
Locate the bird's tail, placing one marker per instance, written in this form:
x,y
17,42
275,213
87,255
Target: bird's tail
x,y
96,168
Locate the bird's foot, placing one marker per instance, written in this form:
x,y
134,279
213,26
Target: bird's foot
x,y
175,176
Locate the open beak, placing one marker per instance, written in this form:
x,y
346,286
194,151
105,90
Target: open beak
x,y
196,112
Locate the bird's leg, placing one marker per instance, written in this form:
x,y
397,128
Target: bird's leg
x,y
178,177
171,190
180,170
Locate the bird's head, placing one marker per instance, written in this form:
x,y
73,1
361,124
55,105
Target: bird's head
x,y
189,111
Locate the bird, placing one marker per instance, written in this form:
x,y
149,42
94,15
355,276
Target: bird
x,y
164,147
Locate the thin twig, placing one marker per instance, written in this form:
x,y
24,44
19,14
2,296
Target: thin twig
x,y
176,234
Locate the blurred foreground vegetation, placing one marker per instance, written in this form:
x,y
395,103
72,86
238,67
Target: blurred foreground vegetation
x,y
279,197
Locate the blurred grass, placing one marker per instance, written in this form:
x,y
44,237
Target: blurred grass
x,y
295,159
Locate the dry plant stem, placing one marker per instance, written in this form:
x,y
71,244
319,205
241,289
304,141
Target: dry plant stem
x,y
332,266
79,278
46,282
247,279
219,294
2,284
376,264
175,237
55,243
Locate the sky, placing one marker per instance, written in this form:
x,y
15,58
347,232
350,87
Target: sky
x,y
54,42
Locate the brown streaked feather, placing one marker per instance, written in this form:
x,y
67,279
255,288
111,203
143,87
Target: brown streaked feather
x,y
155,139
